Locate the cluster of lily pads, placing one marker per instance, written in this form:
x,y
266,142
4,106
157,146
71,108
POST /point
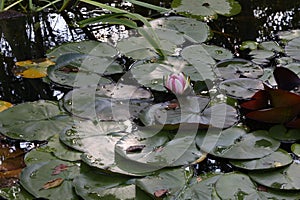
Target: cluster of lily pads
x,y
112,137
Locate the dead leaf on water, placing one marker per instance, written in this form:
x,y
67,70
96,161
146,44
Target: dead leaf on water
x,y
33,68
53,183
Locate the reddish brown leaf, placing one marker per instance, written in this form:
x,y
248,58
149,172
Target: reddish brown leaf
x,y
280,98
285,78
275,115
59,168
160,193
259,101
53,183
11,174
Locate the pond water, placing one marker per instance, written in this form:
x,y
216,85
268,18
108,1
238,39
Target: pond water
x,y
29,37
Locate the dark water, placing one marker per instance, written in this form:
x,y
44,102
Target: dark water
x,y
30,36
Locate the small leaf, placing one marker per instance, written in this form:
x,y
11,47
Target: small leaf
x,y
160,193
53,183
4,105
33,68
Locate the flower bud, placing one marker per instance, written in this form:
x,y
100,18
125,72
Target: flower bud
x,y
177,83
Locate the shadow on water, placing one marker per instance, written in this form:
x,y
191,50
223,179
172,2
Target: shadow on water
x,y
30,36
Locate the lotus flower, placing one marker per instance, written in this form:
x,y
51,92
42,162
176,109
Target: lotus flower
x,y
177,83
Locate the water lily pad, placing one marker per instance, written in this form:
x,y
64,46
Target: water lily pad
x,y
36,179
289,35
192,110
241,88
77,70
88,47
239,186
94,184
287,178
201,60
96,140
151,74
235,143
60,150
276,159
38,155
238,68
292,48
207,8
271,46
280,132
15,192
33,120
190,29
137,154
296,149
218,53
249,45
261,57
107,102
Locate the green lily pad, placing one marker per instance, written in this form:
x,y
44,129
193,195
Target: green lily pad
x,y
271,46
287,178
207,8
107,102
193,110
201,60
289,35
241,88
261,57
94,184
96,140
239,186
151,74
168,181
38,155
60,150
235,143
237,68
77,70
88,47
280,132
252,45
218,53
276,159
292,48
43,180
296,149
140,155
190,29
37,120
15,192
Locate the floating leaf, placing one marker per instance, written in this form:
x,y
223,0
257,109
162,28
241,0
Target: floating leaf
x,y
249,45
271,46
192,110
259,100
289,35
4,105
218,53
94,184
286,178
33,68
37,120
238,68
107,102
276,159
241,88
36,176
88,47
239,186
59,168
296,149
97,141
280,132
53,183
235,143
286,79
292,48
190,29
157,151
206,9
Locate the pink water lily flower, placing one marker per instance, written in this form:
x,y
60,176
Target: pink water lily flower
x,y
177,83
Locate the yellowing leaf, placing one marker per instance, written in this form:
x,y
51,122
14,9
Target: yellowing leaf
x,y
33,68
33,73
4,105
53,183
